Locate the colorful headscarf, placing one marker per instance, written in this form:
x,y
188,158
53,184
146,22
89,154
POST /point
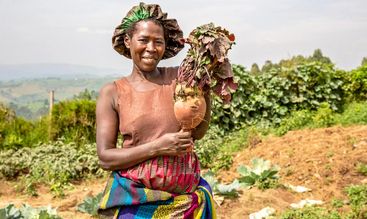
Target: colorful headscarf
x,y
172,31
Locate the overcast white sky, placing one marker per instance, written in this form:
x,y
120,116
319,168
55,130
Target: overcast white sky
x,y
79,31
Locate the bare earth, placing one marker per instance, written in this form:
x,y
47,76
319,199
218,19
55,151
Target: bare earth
x,y
323,160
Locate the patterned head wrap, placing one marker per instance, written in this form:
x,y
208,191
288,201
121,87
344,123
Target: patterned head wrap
x,y
173,33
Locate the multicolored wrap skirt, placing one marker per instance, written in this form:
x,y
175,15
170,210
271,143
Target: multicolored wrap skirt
x,y
127,199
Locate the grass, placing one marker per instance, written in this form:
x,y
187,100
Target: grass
x,y
353,113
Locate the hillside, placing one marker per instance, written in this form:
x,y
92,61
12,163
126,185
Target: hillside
x,y
323,160
29,96
45,70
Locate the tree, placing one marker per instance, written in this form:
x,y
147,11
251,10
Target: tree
x,y
86,95
318,56
364,61
255,70
268,65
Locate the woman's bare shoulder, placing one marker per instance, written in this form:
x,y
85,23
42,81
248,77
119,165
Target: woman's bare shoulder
x,y
108,89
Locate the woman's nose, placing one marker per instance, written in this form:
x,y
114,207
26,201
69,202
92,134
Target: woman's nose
x,y
151,47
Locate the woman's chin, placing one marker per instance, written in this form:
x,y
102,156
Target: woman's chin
x,y
148,68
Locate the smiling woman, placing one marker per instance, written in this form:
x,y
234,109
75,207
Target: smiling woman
x,y
146,44
155,173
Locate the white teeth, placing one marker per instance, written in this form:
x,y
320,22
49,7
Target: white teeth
x,y
149,59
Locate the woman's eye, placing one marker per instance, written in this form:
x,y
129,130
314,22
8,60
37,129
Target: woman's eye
x,y
143,40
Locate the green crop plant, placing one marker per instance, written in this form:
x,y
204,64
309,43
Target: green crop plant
x,y
262,174
55,164
357,195
362,168
227,190
90,204
28,212
310,212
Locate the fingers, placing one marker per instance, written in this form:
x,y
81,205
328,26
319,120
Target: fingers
x,y
185,148
183,135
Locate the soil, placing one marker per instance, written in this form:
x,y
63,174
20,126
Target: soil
x,y
323,160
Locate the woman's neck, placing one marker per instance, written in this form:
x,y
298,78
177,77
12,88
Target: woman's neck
x,y
138,75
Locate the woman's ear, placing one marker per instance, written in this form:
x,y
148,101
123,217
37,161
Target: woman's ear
x,y
127,41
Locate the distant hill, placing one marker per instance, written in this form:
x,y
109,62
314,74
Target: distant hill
x,y
29,97
62,71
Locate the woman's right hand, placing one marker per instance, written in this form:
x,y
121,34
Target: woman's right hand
x,y
173,144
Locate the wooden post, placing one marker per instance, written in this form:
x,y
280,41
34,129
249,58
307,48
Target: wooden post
x,y
52,99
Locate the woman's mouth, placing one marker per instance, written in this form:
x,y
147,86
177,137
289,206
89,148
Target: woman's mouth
x,y
150,58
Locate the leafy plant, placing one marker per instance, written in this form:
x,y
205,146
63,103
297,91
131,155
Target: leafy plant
x,y
262,174
28,212
213,151
337,203
356,83
55,164
297,120
10,211
324,116
362,168
206,65
271,96
16,132
357,195
229,190
310,212
74,120
353,113
90,204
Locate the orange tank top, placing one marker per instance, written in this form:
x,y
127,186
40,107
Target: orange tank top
x,y
145,116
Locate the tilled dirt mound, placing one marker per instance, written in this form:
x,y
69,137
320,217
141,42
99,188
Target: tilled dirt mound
x,y
323,160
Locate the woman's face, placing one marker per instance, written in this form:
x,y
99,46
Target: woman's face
x,y
147,45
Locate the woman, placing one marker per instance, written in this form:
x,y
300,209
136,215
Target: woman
x,y
155,173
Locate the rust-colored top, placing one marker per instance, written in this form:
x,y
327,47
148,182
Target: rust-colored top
x,y
147,115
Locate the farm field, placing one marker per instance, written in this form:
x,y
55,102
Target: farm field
x,y
323,160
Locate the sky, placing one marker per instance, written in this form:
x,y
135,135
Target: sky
x,y
80,31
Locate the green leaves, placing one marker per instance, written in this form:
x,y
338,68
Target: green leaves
x,y
90,205
206,64
356,83
28,212
262,174
55,165
74,120
229,190
271,96
10,211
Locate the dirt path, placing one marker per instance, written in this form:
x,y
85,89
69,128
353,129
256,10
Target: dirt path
x,y
323,160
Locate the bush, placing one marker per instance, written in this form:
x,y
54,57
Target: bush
x,y
51,164
323,117
354,113
74,120
271,96
16,132
356,84
297,120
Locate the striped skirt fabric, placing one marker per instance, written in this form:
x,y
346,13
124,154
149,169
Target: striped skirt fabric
x,y
174,174
129,199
